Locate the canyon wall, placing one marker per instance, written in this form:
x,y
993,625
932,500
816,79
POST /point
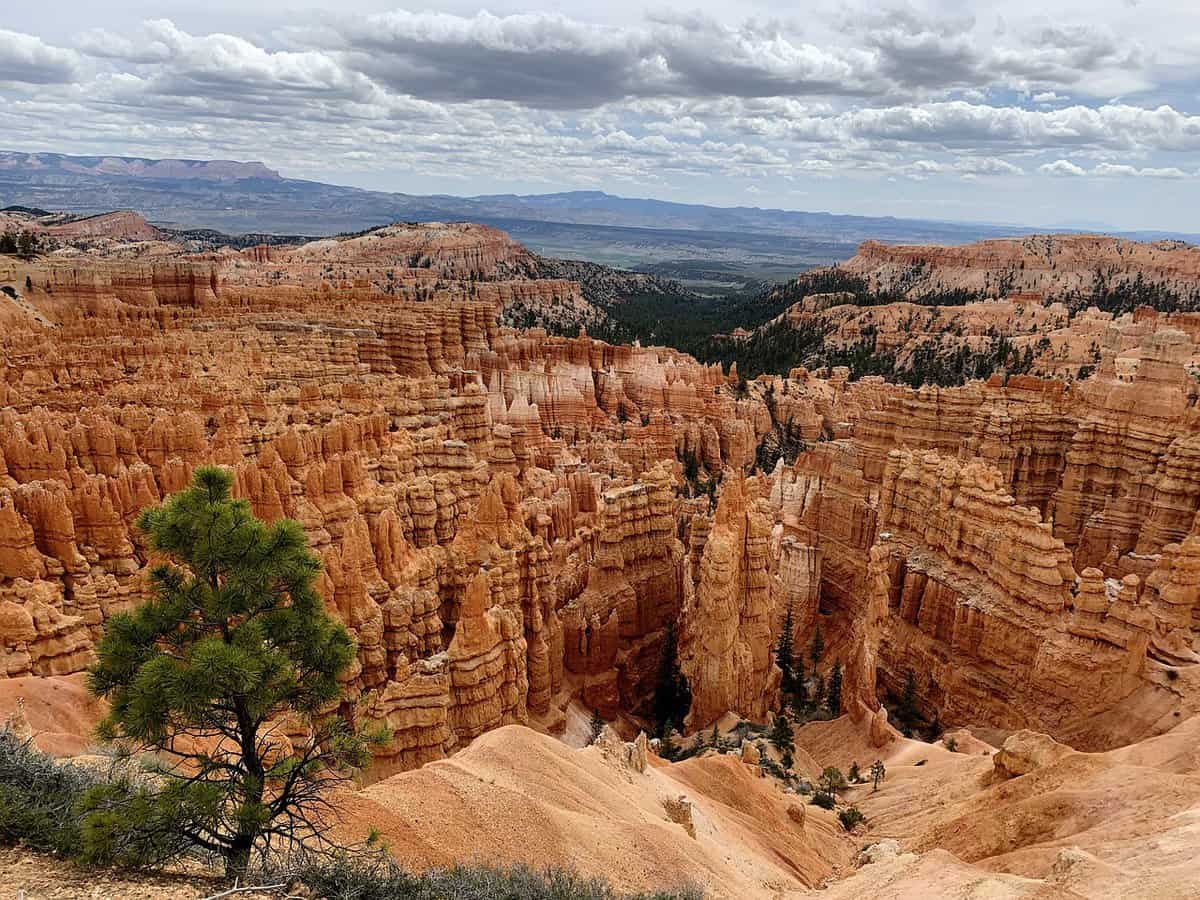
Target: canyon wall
x,y
497,512
506,524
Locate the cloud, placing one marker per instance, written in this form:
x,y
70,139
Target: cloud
x,y
1063,168
972,167
545,60
1110,170
28,59
673,98
1089,58
959,124
553,61
144,49
988,165
221,63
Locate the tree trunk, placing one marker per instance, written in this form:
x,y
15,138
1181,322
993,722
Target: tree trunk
x,y
237,857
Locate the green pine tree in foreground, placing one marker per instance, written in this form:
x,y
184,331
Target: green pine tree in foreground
x,y
234,638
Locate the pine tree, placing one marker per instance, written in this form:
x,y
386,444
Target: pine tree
x,y
817,649
26,244
595,726
784,653
672,696
780,735
854,775
878,772
714,739
832,780
234,639
818,695
800,707
691,466
833,695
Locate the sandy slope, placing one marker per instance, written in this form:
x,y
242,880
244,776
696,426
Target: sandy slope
x,y
1125,823
58,710
516,795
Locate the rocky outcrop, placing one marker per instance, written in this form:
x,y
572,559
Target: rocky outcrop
x,y
727,638
1027,751
496,511
982,595
504,517
1053,265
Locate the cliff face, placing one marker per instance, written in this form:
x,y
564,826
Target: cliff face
x,y
1036,537
506,522
496,511
727,641
985,603
1051,265
1044,305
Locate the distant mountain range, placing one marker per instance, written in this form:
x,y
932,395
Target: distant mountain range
x,y
680,239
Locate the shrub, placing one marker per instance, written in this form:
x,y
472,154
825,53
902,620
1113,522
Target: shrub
x,y
38,796
950,744
832,780
824,799
850,817
62,808
667,748
379,877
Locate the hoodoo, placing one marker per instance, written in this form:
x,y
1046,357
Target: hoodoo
x,y
616,609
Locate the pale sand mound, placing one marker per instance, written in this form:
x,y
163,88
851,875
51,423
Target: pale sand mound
x,y
938,874
842,741
515,795
58,711
1118,824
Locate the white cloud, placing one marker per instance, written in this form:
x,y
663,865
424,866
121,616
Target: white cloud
x,y
28,59
1062,167
1110,170
595,96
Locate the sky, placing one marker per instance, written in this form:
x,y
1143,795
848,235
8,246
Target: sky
x,y
1080,114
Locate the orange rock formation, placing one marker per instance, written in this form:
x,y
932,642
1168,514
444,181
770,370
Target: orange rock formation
x,y
504,525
